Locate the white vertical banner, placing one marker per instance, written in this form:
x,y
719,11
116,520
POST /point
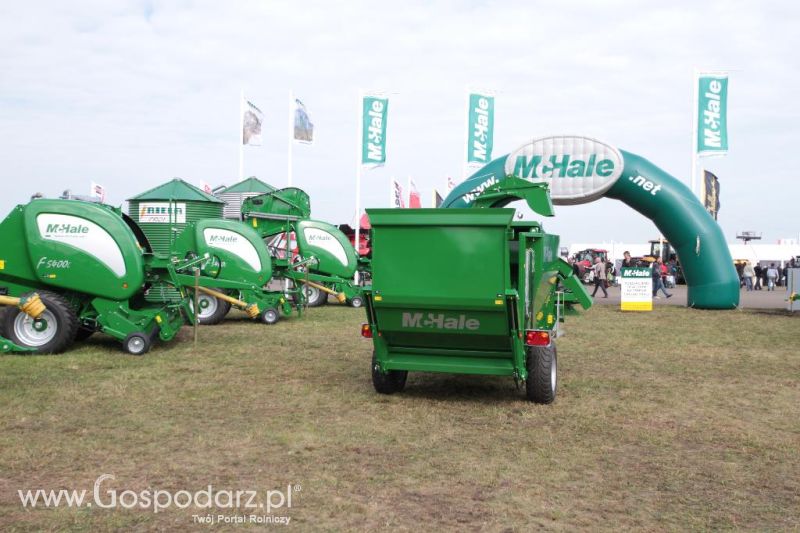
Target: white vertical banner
x,y
97,191
250,121
291,139
396,197
301,129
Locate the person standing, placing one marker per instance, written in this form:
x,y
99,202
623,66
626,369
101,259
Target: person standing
x,y
600,281
658,281
772,275
758,273
748,272
627,262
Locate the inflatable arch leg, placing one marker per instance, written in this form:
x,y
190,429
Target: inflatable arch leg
x,y
706,261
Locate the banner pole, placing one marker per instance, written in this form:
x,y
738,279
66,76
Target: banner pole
x,y
291,135
241,133
465,161
359,148
695,126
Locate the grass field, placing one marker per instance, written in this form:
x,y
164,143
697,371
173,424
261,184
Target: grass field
x,y
671,420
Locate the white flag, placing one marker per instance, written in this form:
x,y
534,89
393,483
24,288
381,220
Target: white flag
x,y
251,124
98,191
397,199
303,127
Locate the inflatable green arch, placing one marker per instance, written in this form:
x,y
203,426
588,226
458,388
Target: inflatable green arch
x,y
581,169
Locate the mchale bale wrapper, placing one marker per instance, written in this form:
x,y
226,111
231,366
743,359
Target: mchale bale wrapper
x,y
87,265
321,259
236,273
469,291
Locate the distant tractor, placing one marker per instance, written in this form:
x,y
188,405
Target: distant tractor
x,y
664,250
584,260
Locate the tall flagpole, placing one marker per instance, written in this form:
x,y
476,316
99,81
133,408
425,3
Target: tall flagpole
x,y
695,126
359,148
241,135
291,134
465,161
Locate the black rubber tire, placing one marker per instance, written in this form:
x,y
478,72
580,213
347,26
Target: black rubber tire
x,y
83,333
317,298
270,316
66,324
542,365
390,382
357,302
138,343
222,310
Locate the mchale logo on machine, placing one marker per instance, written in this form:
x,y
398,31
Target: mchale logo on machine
x,y
440,321
214,239
62,229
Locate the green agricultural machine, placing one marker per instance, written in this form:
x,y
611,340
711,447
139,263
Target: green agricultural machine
x,y
236,273
179,220
88,267
308,253
469,291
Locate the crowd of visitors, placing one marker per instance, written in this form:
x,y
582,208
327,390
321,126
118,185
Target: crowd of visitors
x,y
767,277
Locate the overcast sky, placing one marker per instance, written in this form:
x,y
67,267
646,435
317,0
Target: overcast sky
x,y
130,94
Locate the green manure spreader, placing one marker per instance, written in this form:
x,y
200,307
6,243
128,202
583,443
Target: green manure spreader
x,y
469,291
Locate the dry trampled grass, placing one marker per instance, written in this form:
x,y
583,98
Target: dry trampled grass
x,y
673,419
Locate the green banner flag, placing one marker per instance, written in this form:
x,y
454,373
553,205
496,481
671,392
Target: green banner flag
x,y
712,114
374,111
480,128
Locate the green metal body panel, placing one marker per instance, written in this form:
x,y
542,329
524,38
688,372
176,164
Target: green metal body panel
x,y
87,253
73,246
277,211
243,255
332,249
454,290
242,264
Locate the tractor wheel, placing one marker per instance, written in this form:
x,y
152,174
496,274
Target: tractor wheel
x,y
138,343
212,309
389,382
270,316
53,332
315,297
356,302
542,382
